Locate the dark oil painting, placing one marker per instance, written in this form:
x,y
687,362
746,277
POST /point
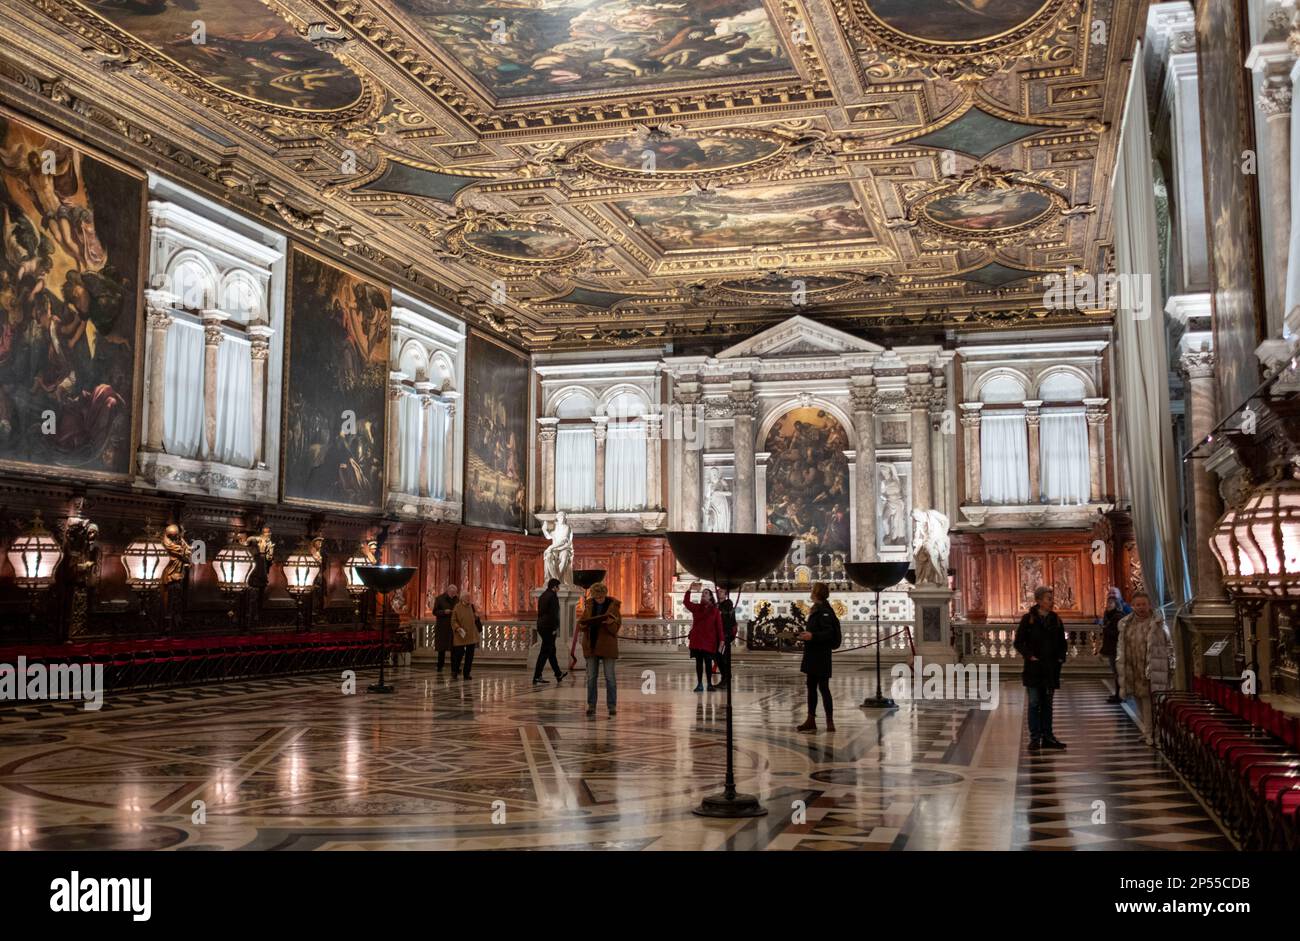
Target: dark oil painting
x,y
688,153
543,47
955,20
243,47
990,210
337,387
808,481
496,436
69,303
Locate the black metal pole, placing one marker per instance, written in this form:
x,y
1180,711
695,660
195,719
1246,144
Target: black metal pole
x,y
879,701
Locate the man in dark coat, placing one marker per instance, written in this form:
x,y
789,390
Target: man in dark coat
x,y
443,606
728,610
1040,639
548,623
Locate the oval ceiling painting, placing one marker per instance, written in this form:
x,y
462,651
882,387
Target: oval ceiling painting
x,y
990,210
540,243
702,153
239,46
955,20
784,286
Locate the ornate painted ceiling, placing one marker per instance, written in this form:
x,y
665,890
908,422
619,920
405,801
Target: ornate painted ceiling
x,y
596,172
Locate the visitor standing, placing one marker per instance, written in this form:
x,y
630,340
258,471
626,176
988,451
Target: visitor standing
x,y
1110,618
443,607
548,624
601,621
1145,659
820,637
1040,639
465,628
706,635
727,608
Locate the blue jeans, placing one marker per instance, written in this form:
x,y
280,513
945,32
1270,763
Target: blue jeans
x,y
594,666
1040,713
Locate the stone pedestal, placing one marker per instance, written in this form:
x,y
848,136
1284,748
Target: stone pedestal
x,y
1196,632
931,629
569,597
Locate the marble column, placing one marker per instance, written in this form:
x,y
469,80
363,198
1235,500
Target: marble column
x,y
259,337
449,448
426,438
160,321
212,337
1031,426
865,502
654,427
1274,103
601,432
1197,367
971,422
744,407
918,400
395,431
692,458
546,431
1095,413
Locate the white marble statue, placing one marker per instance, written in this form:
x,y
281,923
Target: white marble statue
x,y
717,503
558,557
894,506
930,545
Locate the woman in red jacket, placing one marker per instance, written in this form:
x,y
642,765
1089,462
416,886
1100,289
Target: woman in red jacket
x,y
706,634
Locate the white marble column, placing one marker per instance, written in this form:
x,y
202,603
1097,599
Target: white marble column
x,y
546,431
1201,398
449,491
395,431
212,338
654,427
865,502
601,432
1274,103
744,406
1031,426
691,466
160,321
1095,414
426,437
259,338
918,400
971,421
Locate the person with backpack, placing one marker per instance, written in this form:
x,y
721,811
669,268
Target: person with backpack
x,y
821,636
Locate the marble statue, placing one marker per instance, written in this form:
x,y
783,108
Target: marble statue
x,y
930,545
717,503
558,557
894,514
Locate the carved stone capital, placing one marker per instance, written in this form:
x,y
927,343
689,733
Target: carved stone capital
x,y
1274,100
970,413
864,399
744,405
1197,364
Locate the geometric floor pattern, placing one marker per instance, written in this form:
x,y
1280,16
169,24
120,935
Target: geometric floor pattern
x,y
497,763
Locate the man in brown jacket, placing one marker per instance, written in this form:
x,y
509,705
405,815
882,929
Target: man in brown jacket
x,y
602,618
465,625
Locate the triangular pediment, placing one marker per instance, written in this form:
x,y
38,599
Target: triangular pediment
x,y
800,336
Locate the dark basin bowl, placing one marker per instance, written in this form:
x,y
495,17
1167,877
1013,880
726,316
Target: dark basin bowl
x,y
585,578
876,576
729,559
385,578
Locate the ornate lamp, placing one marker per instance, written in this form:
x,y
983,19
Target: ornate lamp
x,y
144,561
300,571
729,560
357,587
35,556
233,565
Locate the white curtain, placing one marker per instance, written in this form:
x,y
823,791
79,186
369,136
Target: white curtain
x,y
1143,367
183,389
234,442
575,468
1063,443
408,446
436,429
1004,458
625,466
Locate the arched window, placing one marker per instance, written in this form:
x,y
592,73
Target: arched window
x,y
1004,443
575,453
1063,441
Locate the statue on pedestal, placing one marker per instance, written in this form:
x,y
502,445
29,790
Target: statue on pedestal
x,y
558,557
717,503
930,547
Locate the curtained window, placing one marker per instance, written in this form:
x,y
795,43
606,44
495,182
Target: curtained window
x,y
1004,458
234,441
409,414
625,466
183,393
575,467
1063,442
439,435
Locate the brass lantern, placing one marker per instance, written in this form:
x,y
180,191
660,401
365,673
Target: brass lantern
x,y
301,569
355,585
144,561
35,556
1258,546
233,565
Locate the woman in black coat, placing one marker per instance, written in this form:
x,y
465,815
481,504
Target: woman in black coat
x,y
820,638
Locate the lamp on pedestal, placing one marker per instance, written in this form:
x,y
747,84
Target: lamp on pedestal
x,y
233,566
35,557
384,579
300,571
877,576
729,560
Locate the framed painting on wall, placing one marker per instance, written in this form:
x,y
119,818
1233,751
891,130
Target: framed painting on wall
x,y
70,304
336,396
496,435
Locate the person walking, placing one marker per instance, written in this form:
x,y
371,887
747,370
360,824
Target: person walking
x,y
1110,618
706,635
727,608
1040,639
1145,659
443,606
821,637
601,621
548,623
465,628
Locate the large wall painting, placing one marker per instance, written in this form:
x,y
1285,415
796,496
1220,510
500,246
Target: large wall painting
x,y
69,304
545,47
337,373
1231,206
496,435
808,482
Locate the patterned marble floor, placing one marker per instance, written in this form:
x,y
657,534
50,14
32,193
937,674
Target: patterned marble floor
x,y
497,763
